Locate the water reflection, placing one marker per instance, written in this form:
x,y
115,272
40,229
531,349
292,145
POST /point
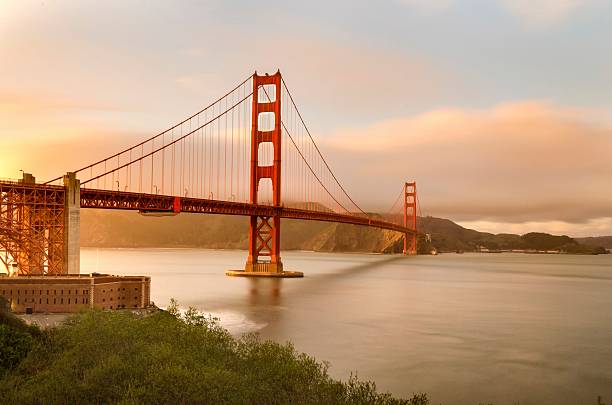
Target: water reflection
x,y
265,291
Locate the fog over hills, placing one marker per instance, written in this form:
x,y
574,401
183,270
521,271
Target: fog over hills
x,y
127,229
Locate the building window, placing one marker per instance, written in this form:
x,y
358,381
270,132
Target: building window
x,y
103,300
62,301
47,292
62,292
40,300
54,292
68,300
55,300
47,300
68,292
40,292
18,300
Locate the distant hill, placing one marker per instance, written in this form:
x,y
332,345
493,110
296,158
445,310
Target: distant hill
x,y
605,241
447,236
106,228
101,228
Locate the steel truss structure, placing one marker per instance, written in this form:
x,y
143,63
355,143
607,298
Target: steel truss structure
x,y
32,228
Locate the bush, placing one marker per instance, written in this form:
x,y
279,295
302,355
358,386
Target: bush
x,y
14,346
165,357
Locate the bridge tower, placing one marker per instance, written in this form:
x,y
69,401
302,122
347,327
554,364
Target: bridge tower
x,y
72,224
264,233
410,218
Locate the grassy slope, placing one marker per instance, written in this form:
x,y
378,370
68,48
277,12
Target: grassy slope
x,y
119,357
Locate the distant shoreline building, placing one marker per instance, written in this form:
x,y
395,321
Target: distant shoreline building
x,y
73,292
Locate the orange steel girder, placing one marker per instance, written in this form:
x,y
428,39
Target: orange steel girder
x,y
410,218
32,228
264,232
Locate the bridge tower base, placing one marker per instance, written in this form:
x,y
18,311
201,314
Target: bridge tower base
x,y
264,232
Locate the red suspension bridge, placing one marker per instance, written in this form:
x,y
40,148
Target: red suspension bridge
x,y
248,153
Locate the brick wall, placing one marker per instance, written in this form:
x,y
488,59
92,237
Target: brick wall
x,y
72,293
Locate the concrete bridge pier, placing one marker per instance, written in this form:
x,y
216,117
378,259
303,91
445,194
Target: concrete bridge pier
x,y
72,224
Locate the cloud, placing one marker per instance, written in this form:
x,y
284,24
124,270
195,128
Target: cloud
x,y
536,13
20,102
48,135
428,6
360,76
545,12
52,152
326,73
517,162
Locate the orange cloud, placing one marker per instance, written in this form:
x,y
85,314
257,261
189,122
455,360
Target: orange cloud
x,y
530,161
48,136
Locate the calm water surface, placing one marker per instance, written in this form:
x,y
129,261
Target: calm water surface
x,y
502,328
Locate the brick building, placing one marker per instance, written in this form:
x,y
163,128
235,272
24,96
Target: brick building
x,y
69,293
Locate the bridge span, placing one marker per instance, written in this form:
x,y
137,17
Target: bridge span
x,y
233,157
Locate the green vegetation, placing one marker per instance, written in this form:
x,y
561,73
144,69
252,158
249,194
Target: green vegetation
x,y
16,338
447,236
165,357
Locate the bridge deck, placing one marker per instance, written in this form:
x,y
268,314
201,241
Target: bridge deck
x,y
120,200
93,198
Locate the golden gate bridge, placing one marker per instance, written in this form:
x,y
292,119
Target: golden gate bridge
x,y
248,153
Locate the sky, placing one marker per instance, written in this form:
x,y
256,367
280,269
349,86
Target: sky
x,y
499,109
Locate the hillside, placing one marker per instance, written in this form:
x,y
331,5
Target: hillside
x,y
605,241
101,228
448,236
